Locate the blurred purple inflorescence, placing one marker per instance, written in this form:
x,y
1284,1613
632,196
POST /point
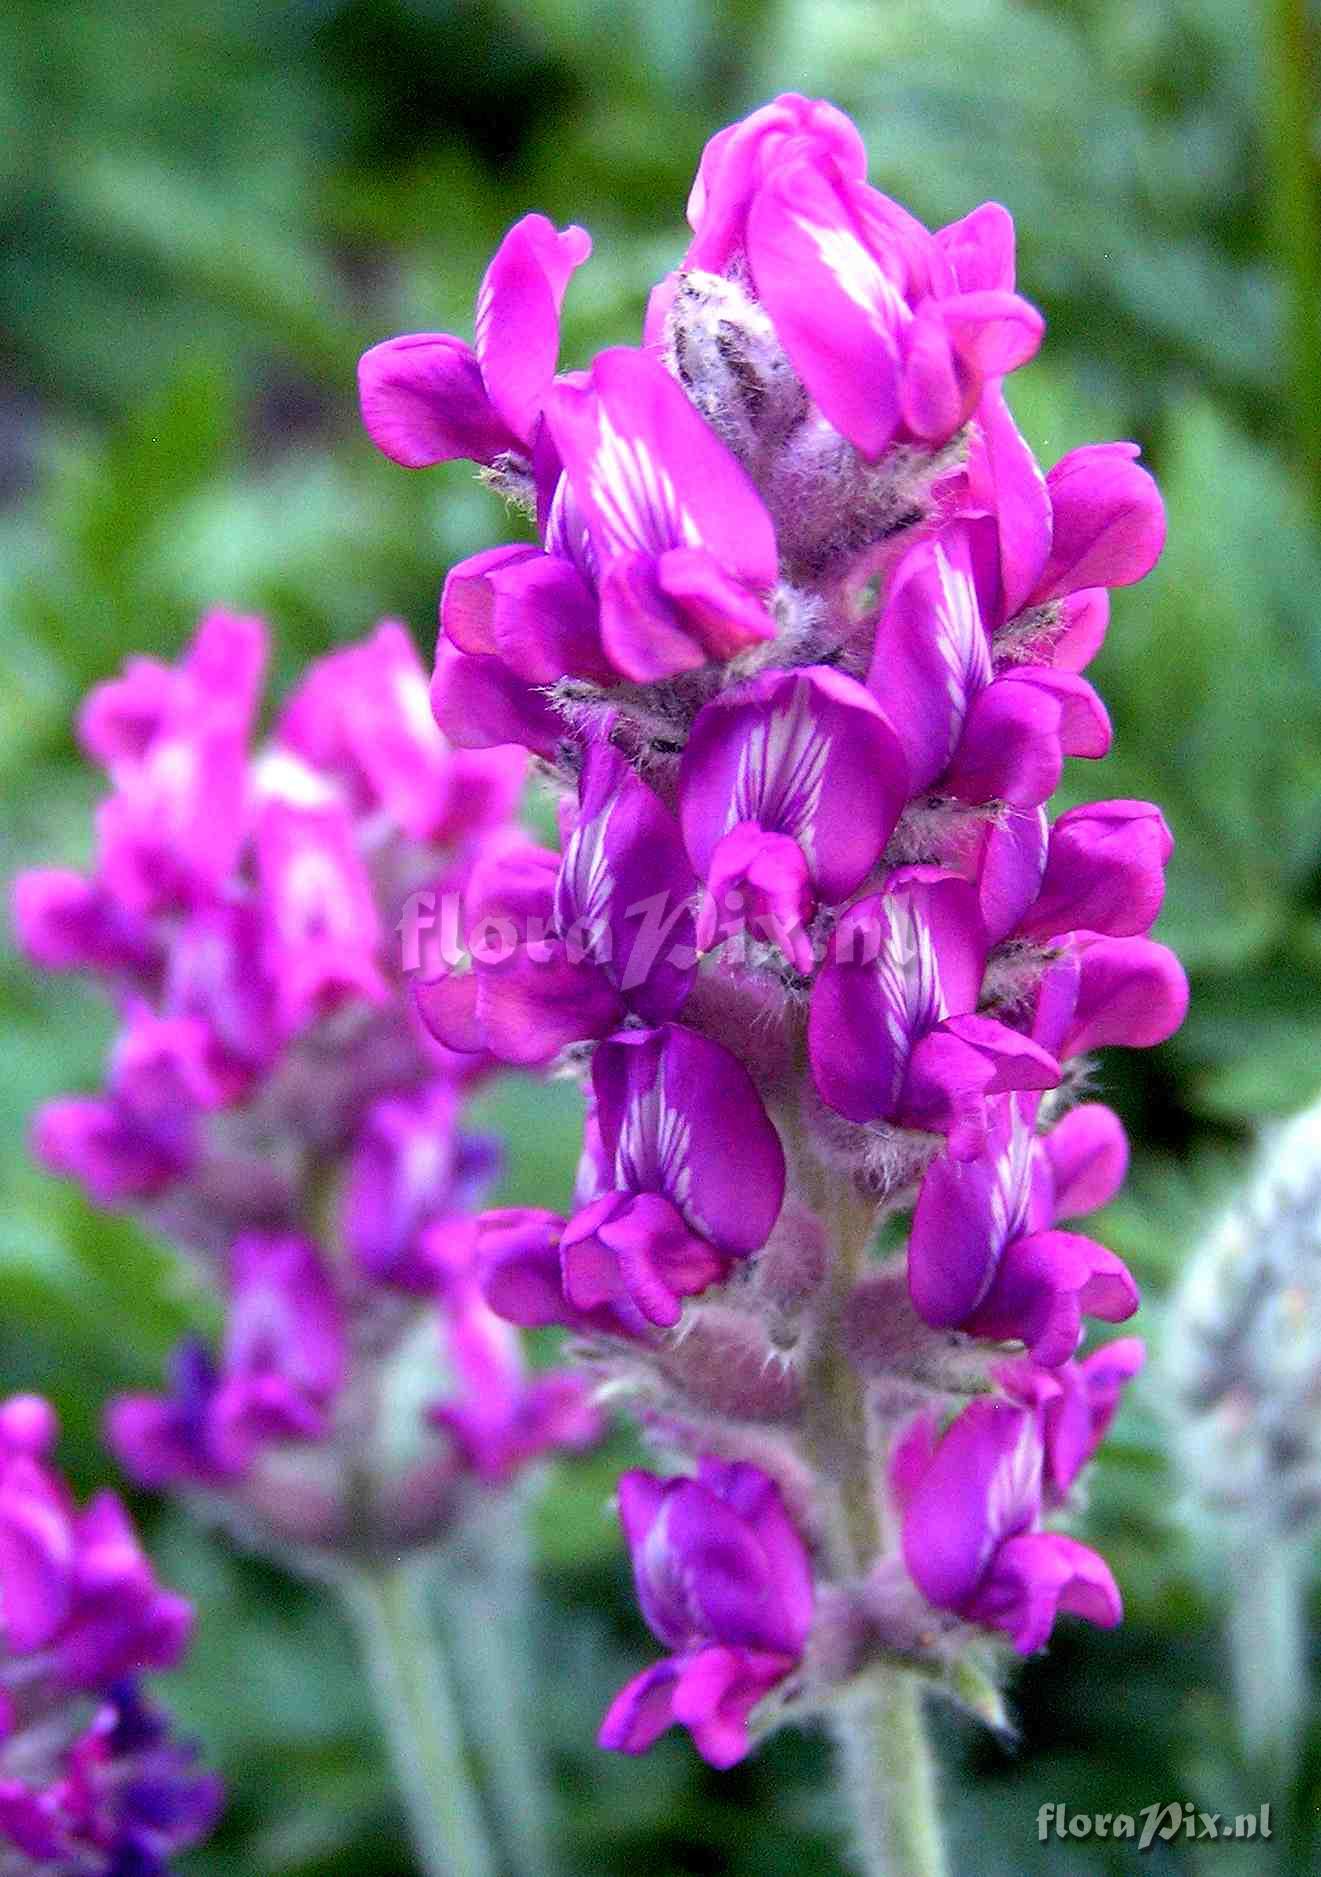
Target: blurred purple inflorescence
x,y
273,1104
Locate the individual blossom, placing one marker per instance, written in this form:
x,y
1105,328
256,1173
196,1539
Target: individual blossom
x,y
982,736
725,1583
90,1779
789,788
986,1254
428,397
971,1501
894,1030
691,1180
561,948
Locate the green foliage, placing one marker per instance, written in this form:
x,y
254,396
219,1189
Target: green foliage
x,y
209,212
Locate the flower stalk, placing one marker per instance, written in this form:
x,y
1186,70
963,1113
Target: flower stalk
x,y
419,1715
886,1768
482,1601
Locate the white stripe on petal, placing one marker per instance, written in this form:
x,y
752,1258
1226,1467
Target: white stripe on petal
x,y
960,640
909,971
858,275
635,495
782,771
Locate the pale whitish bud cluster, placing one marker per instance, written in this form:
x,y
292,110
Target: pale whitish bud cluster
x,y
1245,1343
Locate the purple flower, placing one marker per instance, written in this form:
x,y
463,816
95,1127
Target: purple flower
x,y
284,1361
1076,1404
517,1250
563,952
410,1167
893,1031
117,1796
500,1416
790,787
684,546
427,397
1100,991
725,1583
534,611
218,680
978,736
75,1583
1095,521
737,160
480,704
697,1171
64,921
866,302
1104,872
323,935
285,1351
985,1254
971,1500
113,1151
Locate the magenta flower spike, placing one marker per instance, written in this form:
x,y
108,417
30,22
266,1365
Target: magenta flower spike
x,y
273,1105
799,638
279,930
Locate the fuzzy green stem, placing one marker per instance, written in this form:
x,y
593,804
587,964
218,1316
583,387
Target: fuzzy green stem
x,y
886,1767
1268,1647
1295,202
889,1774
488,1594
420,1720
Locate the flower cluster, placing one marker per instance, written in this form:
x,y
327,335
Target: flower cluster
x,y
799,644
274,1106
91,1782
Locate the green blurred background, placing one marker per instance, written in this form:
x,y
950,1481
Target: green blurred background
x,y
208,212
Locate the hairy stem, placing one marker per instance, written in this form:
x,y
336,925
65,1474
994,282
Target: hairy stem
x,y
1268,1646
888,1773
420,1719
886,1767
489,1597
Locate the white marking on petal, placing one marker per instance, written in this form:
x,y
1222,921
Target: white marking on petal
x,y
858,274
1013,1488
587,883
635,495
909,971
1011,1187
655,1140
961,642
566,531
414,701
782,771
